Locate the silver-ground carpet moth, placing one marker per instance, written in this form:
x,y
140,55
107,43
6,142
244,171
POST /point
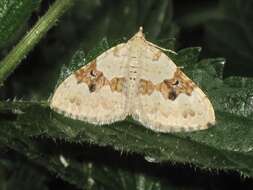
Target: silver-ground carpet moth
x,y
134,79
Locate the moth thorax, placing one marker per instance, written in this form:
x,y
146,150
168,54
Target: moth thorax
x,y
132,81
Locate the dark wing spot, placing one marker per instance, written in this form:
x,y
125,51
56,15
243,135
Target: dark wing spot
x,y
92,87
176,83
172,95
92,73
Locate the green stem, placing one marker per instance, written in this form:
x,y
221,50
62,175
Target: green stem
x,y
19,52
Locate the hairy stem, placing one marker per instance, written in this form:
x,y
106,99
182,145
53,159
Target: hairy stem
x,y
19,52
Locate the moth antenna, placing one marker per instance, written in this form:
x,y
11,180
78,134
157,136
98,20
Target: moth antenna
x,y
163,49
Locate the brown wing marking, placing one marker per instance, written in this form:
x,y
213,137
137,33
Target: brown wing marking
x,y
95,79
169,88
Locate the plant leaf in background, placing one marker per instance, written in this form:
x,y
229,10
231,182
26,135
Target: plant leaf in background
x,y
20,169
123,155
13,15
216,148
78,31
222,28
111,173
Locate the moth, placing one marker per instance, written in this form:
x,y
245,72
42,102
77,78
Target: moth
x,y
134,79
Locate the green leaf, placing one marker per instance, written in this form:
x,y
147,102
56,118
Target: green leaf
x,y
61,160
119,178
241,82
18,173
13,14
218,147
227,146
187,56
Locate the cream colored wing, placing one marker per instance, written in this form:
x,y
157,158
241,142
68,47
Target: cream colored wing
x,y
96,93
168,101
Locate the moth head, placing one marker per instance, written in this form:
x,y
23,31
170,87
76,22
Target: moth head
x,y
138,35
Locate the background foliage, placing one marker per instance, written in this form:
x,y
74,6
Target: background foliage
x,y
35,142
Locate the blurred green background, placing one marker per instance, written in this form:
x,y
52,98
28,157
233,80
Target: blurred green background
x,y
223,28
